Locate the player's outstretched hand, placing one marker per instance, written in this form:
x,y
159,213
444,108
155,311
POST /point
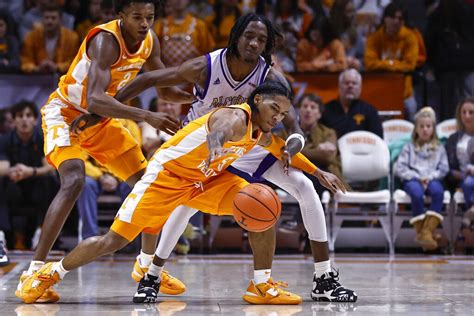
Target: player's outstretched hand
x,y
84,121
330,181
163,121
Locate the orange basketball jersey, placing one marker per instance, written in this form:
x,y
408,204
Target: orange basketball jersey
x,y
72,86
185,154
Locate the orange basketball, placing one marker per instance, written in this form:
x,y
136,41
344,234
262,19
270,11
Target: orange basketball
x,y
256,207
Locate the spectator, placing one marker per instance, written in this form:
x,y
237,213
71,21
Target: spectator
x,y
348,113
320,50
201,9
9,47
99,180
34,16
321,141
293,16
6,121
461,172
226,12
151,138
421,166
343,23
450,46
49,47
181,35
27,185
393,47
282,56
93,19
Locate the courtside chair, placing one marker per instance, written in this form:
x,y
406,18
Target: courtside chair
x,y
400,197
395,129
445,128
364,157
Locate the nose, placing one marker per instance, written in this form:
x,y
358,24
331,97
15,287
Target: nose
x,y
253,43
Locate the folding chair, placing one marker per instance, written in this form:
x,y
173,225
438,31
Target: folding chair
x,y
396,129
364,157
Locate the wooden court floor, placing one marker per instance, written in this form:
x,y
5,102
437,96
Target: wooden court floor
x,y
401,285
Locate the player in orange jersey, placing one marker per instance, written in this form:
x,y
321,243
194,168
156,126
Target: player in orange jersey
x,y
189,169
111,55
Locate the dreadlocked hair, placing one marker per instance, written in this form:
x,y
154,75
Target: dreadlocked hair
x,y
268,88
120,5
239,28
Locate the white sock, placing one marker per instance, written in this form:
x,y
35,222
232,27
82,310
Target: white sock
x,y
155,270
145,259
35,266
322,267
261,276
58,267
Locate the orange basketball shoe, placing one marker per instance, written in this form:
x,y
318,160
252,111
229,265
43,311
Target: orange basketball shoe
x,y
38,283
169,284
270,293
50,296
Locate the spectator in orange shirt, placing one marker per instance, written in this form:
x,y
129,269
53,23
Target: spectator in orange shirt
x,y
9,46
226,13
93,19
320,50
394,47
49,47
182,36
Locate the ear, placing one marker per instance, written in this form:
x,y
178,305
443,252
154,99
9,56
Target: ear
x,y
258,99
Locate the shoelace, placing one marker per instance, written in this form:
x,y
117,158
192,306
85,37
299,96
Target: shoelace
x,y
332,281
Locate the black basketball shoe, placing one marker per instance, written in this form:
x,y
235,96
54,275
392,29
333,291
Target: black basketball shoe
x,y
148,289
4,261
326,288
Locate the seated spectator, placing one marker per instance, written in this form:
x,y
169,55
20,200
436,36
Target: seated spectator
x,y
342,20
226,13
293,16
33,17
321,141
282,57
348,113
201,9
27,182
320,50
461,172
182,36
152,138
450,47
99,180
6,121
49,48
421,166
9,47
93,19
393,47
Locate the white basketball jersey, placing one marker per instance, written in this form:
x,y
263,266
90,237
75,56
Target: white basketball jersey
x,y
221,89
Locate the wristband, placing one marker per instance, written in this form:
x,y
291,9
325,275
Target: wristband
x,y
299,137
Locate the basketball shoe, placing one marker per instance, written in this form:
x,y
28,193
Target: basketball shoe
x,y
36,285
270,293
169,284
148,289
327,288
50,296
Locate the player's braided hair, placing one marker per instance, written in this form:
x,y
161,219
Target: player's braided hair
x,y
268,88
239,28
120,5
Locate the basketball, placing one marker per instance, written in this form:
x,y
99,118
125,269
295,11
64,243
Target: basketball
x,y
256,207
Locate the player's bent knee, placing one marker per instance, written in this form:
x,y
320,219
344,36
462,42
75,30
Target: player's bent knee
x,y
113,241
73,183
